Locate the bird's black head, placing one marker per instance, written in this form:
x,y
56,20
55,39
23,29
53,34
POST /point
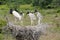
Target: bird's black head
x,y
11,11
28,12
36,11
21,13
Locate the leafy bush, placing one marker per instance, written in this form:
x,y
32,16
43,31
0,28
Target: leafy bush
x,y
1,36
2,23
26,7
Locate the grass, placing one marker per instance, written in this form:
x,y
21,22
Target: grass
x,y
26,7
48,16
1,36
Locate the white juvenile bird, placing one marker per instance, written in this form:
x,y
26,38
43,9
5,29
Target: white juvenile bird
x,y
39,16
32,17
16,14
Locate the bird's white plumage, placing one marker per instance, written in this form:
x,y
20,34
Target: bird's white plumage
x,y
32,16
39,16
16,14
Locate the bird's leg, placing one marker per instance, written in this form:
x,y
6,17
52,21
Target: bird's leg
x,y
31,22
15,19
21,22
38,21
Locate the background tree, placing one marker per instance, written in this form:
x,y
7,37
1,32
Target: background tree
x,y
42,3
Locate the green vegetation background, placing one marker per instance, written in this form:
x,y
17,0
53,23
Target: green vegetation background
x,y
50,9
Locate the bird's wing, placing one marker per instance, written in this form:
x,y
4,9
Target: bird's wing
x,y
16,14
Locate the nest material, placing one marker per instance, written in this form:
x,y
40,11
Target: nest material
x,y
25,33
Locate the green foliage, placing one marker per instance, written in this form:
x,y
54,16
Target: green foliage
x,y
41,3
1,36
15,3
26,7
3,7
55,3
48,16
36,3
2,23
